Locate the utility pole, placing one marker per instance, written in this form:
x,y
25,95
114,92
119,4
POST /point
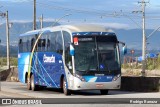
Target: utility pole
x,y
2,15
0,66
8,42
143,4
41,20
144,38
0,53
34,15
7,36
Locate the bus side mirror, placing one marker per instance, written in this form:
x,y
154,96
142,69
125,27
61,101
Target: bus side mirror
x,y
70,65
71,48
124,49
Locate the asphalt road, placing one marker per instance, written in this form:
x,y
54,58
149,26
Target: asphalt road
x,y
19,90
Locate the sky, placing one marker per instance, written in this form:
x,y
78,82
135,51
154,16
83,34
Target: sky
x,y
113,13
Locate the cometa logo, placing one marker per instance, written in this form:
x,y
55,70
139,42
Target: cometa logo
x,y
48,59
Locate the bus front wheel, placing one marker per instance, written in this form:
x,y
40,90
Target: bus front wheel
x,y
65,90
104,92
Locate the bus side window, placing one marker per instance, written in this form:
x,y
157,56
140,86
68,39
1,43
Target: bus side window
x,y
20,45
32,43
59,43
20,41
43,44
25,44
52,42
41,47
29,43
68,58
48,44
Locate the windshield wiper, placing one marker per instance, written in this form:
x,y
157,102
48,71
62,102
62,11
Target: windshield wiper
x,y
108,69
81,70
92,69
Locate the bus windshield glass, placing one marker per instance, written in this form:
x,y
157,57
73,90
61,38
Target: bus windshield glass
x,y
96,55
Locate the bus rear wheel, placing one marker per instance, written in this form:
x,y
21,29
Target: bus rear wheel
x,y
65,90
104,92
28,83
34,87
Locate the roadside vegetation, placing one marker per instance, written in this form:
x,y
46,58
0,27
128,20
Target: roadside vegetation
x,y
135,68
3,61
151,64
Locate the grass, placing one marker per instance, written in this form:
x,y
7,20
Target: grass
x,y
152,68
151,64
2,68
3,61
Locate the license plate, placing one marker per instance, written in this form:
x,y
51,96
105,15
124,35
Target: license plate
x,y
99,85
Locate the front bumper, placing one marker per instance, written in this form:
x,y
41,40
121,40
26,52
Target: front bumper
x,y
80,85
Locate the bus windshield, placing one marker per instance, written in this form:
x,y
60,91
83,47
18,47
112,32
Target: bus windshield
x,y
96,55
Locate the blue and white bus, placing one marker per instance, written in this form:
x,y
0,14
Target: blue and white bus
x,y
70,57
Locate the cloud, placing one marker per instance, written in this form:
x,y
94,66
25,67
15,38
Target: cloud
x,y
108,25
20,21
117,25
26,21
114,25
65,21
15,1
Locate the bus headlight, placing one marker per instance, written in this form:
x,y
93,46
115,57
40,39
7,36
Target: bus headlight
x,y
116,77
80,77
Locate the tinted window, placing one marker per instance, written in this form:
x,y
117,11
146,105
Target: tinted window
x,y
25,44
59,43
51,42
68,58
41,45
32,42
20,45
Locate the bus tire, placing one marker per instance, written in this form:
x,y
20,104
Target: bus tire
x,y
104,92
65,90
28,83
34,87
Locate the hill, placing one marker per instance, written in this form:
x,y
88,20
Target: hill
x,y
132,37
17,29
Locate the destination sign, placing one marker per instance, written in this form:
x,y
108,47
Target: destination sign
x,y
85,39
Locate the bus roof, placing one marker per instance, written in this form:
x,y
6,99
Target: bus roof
x,y
87,28
71,28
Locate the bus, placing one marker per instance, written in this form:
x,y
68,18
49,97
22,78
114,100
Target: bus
x,y
70,57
